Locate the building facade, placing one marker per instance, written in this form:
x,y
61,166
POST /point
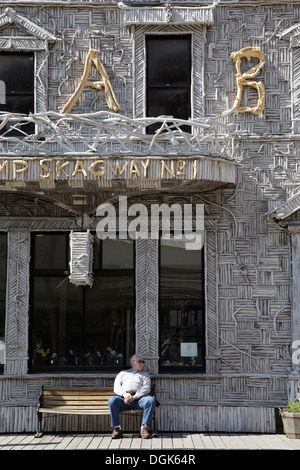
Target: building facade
x,y
110,112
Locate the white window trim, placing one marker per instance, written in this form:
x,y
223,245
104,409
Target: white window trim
x,y
168,14
35,40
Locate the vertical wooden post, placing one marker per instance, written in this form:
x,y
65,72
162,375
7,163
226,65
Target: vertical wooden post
x,y
16,334
212,346
147,279
294,379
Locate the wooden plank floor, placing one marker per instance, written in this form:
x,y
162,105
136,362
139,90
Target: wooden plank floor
x,y
164,441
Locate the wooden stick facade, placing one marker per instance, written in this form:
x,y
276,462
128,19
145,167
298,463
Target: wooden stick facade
x,y
246,174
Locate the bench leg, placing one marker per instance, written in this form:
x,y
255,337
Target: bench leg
x,y
39,432
154,432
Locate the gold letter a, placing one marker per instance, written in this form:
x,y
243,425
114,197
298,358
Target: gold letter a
x,y
92,58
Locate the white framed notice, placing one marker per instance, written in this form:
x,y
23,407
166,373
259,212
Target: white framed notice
x,y
188,349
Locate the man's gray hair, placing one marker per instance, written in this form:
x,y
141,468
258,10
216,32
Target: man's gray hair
x,y
135,357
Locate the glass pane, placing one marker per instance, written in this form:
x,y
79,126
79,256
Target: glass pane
x,y
168,60
2,320
56,321
18,101
16,70
113,254
82,327
169,102
168,78
181,307
175,256
50,251
17,87
117,254
109,321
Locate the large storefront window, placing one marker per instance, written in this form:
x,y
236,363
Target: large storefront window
x,y
3,264
181,307
81,327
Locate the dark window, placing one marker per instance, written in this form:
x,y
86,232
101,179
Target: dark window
x,y
81,327
181,308
168,77
17,87
3,264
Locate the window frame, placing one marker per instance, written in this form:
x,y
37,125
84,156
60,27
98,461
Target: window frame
x,y
197,33
183,369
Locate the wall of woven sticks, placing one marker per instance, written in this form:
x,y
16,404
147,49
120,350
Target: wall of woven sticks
x,y
249,321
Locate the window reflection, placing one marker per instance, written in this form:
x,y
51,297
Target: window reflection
x,y
50,252
17,87
168,77
181,307
80,327
113,254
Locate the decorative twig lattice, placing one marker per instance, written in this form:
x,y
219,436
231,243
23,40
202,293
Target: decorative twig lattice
x,y
108,133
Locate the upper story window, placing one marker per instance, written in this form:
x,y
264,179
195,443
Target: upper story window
x,y
24,70
169,72
17,87
168,76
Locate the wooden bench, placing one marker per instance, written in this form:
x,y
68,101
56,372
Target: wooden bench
x,y
76,401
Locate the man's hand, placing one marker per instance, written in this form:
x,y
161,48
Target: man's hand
x,y
128,398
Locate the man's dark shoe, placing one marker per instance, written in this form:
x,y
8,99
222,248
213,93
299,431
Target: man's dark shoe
x,y
117,433
144,433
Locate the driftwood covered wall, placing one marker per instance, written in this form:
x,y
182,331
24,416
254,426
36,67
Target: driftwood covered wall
x,y
250,322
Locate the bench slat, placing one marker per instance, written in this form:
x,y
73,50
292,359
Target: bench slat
x,y
80,392
94,395
77,389
74,412
104,411
75,407
75,400
74,404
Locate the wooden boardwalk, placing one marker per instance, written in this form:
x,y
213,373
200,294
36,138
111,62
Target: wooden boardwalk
x,y
164,442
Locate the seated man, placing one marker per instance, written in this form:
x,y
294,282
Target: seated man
x,y
132,387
